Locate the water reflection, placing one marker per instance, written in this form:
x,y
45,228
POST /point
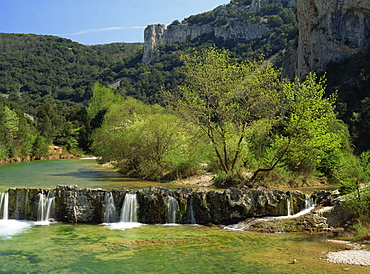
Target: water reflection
x,y
84,173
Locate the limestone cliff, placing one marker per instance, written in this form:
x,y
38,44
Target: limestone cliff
x,y
157,35
330,31
237,28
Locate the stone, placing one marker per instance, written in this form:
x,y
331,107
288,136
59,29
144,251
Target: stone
x,y
330,31
73,204
159,34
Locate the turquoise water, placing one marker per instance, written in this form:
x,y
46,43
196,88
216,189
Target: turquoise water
x,y
26,247
67,248
84,173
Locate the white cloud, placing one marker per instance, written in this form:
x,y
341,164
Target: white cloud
x,y
105,29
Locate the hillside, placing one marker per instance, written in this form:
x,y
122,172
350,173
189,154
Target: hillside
x,y
37,69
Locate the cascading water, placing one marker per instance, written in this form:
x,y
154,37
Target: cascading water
x,y
191,217
4,200
288,206
8,227
109,208
45,207
129,209
309,202
309,205
171,209
128,214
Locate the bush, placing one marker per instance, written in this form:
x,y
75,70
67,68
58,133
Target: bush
x,y
223,180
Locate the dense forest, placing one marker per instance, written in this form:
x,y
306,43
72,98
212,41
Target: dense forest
x,y
56,92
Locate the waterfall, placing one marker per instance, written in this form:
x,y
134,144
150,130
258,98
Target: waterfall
x,y
171,209
288,206
8,228
309,205
309,202
4,200
75,213
45,206
129,209
109,208
1,200
191,217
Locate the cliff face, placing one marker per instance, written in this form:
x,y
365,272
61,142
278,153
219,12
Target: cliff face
x,y
157,35
330,31
239,28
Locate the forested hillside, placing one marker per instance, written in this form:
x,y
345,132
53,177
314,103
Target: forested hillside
x,y
52,79
36,69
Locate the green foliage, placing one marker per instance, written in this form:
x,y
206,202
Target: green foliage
x,y
102,99
308,117
222,97
304,139
353,172
37,69
17,133
146,142
223,180
40,148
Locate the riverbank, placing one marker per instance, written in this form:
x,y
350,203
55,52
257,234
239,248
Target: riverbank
x,y
29,158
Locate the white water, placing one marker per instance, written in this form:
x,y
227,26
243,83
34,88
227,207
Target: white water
x,y
171,209
309,205
129,209
288,206
191,216
109,208
45,206
4,200
8,227
128,214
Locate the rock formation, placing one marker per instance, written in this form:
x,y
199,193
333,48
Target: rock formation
x,y
158,35
329,31
73,204
329,215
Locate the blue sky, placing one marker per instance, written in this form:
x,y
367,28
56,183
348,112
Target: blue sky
x,y
92,22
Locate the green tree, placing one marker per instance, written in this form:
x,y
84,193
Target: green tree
x,y
223,98
354,175
102,98
307,133
145,142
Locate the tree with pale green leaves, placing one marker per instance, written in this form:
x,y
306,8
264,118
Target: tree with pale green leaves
x,y
307,133
223,98
145,141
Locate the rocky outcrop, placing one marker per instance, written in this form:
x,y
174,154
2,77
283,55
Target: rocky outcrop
x,y
201,206
159,35
330,31
329,215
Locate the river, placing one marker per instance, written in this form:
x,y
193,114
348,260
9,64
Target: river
x,y
27,247
84,173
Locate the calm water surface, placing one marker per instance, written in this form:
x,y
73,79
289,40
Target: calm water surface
x,y
66,248
84,173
